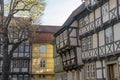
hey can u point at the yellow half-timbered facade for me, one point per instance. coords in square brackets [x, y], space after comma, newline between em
[96, 41]
[42, 49]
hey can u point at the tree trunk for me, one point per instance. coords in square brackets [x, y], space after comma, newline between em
[6, 59]
[6, 65]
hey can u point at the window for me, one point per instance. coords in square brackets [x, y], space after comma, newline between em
[64, 76]
[42, 63]
[86, 20]
[42, 76]
[20, 63]
[87, 2]
[27, 48]
[21, 48]
[25, 63]
[26, 78]
[20, 78]
[87, 71]
[105, 9]
[42, 48]
[93, 2]
[87, 43]
[90, 71]
[109, 35]
[16, 63]
[83, 44]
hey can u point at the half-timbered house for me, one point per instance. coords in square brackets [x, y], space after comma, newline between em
[98, 33]
[97, 40]
[20, 59]
[60, 74]
[68, 46]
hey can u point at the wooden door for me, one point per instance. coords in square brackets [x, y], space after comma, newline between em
[112, 72]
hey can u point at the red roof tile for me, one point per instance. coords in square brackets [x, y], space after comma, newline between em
[48, 28]
[42, 38]
[44, 34]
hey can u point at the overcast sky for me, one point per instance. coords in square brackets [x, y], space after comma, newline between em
[57, 11]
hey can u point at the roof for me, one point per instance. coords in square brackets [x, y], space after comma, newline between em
[71, 18]
[48, 28]
[44, 34]
[74, 14]
[42, 38]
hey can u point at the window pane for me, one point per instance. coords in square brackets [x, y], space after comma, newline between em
[93, 2]
[109, 35]
[105, 9]
[42, 76]
[21, 48]
[86, 20]
[27, 48]
[25, 63]
[42, 48]
[16, 63]
[42, 63]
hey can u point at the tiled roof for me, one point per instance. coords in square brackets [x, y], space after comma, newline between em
[44, 34]
[48, 28]
[42, 38]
